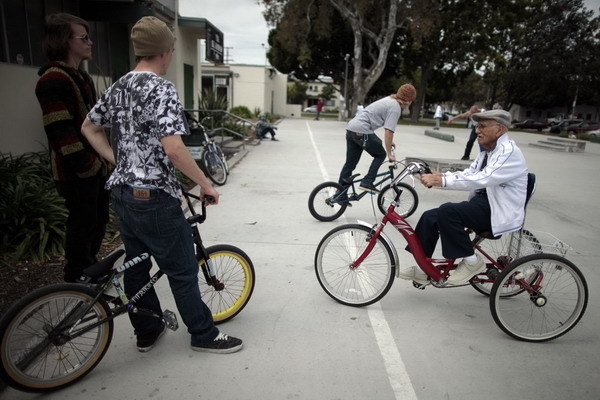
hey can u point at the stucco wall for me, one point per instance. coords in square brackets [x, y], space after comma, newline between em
[21, 128]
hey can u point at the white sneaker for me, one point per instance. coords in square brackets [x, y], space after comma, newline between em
[465, 271]
[414, 273]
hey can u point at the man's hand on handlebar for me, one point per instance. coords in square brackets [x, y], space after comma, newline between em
[209, 196]
[391, 154]
[432, 179]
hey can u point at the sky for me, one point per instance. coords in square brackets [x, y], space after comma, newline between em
[241, 22]
[244, 27]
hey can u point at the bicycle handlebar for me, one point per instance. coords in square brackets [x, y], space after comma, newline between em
[197, 217]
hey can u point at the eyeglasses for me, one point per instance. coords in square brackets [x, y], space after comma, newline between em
[482, 126]
[84, 38]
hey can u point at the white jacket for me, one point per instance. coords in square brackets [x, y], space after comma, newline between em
[505, 180]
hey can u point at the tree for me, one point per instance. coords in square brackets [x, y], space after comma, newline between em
[545, 58]
[297, 93]
[300, 25]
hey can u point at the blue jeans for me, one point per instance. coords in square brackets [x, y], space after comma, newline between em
[355, 144]
[156, 225]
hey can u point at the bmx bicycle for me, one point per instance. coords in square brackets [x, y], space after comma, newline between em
[57, 334]
[534, 298]
[329, 200]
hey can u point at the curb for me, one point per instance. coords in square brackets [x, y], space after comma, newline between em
[439, 135]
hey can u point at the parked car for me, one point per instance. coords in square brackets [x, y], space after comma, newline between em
[531, 124]
[558, 128]
[313, 109]
[595, 133]
[583, 127]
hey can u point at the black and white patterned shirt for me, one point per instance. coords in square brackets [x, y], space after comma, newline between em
[140, 109]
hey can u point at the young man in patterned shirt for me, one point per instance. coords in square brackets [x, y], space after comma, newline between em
[146, 120]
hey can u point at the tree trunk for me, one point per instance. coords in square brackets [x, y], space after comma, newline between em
[363, 79]
[420, 100]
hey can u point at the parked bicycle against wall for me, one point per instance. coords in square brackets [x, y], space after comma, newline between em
[56, 335]
[211, 158]
[535, 298]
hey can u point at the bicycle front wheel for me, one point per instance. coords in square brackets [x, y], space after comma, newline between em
[323, 202]
[505, 250]
[409, 199]
[552, 301]
[354, 286]
[47, 341]
[234, 269]
[214, 167]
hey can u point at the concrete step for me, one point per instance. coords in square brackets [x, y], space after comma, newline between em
[555, 147]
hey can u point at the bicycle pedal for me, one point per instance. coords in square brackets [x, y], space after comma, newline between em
[418, 285]
[170, 319]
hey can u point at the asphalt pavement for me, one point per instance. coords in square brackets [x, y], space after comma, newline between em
[300, 344]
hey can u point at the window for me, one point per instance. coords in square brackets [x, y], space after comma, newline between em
[22, 32]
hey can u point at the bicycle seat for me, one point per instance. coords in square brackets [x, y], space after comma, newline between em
[102, 267]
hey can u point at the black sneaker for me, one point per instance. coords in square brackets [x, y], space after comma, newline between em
[146, 342]
[369, 187]
[221, 344]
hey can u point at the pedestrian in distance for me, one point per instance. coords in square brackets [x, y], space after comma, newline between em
[146, 120]
[66, 94]
[360, 134]
[319, 108]
[467, 114]
[437, 116]
[497, 185]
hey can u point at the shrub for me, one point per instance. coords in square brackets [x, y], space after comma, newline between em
[32, 213]
[242, 112]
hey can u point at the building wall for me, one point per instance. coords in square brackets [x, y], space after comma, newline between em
[259, 87]
[21, 127]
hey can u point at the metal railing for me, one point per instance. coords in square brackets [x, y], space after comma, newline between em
[222, 123]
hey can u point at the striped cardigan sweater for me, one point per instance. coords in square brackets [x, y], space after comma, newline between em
[66, 95]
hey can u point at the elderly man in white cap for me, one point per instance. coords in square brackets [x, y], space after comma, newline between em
[146, 120]
[497, 185]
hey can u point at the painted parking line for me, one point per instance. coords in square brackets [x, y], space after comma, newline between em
[395, 368]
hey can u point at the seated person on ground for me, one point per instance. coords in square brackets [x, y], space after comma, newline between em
[263, 127]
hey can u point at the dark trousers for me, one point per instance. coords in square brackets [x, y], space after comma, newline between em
[449, 221]
[355, 144]
[263, 133]
[87, 203]
[157, 225]
[469, 146]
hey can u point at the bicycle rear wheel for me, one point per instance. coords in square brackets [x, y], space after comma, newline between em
[505, 250]
[323, 204]
[42, 349]
[234, 269]
[214, 166]
[409, 199]
[549, 305]
[354, 286]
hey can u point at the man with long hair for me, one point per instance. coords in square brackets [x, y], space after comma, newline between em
[66, 94]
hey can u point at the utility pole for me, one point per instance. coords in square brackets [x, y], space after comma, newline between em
[346, 110]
